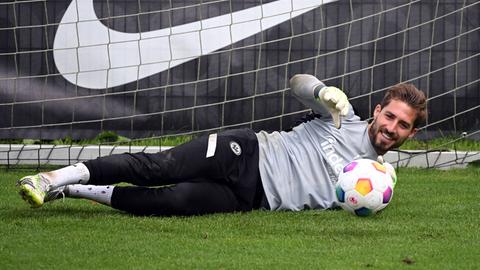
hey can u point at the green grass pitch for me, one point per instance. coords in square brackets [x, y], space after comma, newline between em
[432, 223]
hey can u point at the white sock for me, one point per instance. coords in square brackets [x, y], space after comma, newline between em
[73, 174]
[100, 194]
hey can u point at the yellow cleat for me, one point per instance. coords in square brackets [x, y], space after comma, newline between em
[33, 189]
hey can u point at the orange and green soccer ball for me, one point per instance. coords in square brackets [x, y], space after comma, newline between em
[364, 187]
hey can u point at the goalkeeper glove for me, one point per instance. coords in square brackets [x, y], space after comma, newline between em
[391, 172]
[305, 86]
[336, 103]
[390, 169]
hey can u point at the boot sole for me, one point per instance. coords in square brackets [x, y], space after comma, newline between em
[30, 196]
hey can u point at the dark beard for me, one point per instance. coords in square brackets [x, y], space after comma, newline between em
[372, 133]
[373, 130]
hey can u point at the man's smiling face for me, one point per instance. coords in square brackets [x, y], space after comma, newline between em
[391, 126]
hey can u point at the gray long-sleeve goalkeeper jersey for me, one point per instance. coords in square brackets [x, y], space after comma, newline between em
[299, 168]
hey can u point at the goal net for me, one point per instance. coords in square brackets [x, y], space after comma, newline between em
[156, 69]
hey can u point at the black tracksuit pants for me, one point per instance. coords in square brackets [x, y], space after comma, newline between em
[183, 181]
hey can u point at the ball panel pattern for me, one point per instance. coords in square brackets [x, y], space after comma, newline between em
[350, 166]
[363, 212]
[387, 195]
[340, 194]
[363, 186]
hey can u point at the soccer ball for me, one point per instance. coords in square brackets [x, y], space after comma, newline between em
[365, 187]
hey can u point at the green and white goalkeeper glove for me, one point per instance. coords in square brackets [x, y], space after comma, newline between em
[335, 101]
[390, 169]
[313, 93]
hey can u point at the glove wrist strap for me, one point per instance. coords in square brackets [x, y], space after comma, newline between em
[317, 89]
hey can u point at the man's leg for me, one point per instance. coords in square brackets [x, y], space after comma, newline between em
[187, 198]
[180, 163]
[100, 194]
[42, 187]
[238, 169]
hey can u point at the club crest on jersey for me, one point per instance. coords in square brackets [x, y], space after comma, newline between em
[236, 149]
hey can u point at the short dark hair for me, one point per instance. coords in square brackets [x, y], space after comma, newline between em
[409, 94]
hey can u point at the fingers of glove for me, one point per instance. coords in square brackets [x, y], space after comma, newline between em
[345, 109]
[391, 172]
[341, 104]
[390, 168]
[380, 159]
[336, 119]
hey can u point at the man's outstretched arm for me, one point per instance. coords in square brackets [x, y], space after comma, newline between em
[320, 98]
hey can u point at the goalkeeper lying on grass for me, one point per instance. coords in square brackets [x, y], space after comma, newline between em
[240, 170]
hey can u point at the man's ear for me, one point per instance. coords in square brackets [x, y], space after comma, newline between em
[413, 132]
[377, 111]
